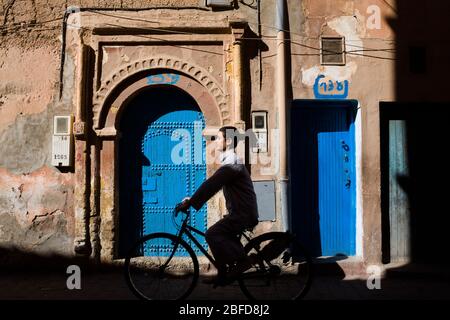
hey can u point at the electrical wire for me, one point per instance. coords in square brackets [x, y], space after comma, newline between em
[260, 37]
[347, 44]
[250, 5]
[160, 39]
[300, 35]
[38, 30]
[96, 11]
[390, 6]
[30, 24]
[153, 38]
[190, 33]
[121, 17]
[246, 38]
[324, 51]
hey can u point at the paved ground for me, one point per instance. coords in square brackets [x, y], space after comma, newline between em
[111, 285]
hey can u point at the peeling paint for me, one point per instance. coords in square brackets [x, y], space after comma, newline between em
[125, 58]
[36, 194]
[26, 87]
[229, 69]
[36, 210]
[339, 73]
[48, 234]
[105, 56]
[351, 28]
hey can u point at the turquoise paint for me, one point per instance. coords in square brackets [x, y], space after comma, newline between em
[166, 180]
[161, 161]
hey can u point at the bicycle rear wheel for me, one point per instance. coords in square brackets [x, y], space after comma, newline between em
[161, 267]
[283, 270]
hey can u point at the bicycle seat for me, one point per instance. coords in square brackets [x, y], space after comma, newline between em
[244, 231]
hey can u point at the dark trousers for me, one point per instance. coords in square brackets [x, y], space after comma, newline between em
[224, 242]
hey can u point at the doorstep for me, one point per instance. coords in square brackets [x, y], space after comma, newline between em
[343, 267]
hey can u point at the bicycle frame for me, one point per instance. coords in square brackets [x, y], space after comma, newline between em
[262, 269]
[187, 229]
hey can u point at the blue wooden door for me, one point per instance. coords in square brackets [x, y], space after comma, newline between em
[323, 176]
[174, 169]
[395, 178]
[399, 216]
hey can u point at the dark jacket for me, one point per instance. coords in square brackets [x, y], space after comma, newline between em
[238, 191]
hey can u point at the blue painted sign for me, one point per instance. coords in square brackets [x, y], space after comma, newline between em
[163, 78]
[325, 88]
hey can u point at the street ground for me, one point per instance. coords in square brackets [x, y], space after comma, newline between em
[111, 285]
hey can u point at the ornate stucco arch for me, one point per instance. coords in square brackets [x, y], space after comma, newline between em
[112, 99]
[195, 80]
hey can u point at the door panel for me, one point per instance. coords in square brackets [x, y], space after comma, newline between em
[161, 161]
[323, 180]
[398, 203]
[170, 175]
[414, 172]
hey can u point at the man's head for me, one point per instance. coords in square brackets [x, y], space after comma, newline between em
[227, 138]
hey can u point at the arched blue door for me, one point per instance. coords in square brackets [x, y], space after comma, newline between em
[175, 169]
[161, 161]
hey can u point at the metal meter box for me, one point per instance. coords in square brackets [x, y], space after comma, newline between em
[265, 197]
[259, 124]
[219, 3]
[62, 143]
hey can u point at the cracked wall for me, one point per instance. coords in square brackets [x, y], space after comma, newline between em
[36, 200]
[36, 211]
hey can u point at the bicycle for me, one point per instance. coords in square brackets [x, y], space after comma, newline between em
[164, 266]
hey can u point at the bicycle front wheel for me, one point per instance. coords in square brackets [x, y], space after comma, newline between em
[161, 266]
[283, 270]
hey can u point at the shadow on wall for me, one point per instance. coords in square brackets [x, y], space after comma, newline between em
[415, 136]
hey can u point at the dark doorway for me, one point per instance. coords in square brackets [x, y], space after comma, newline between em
[414, 181]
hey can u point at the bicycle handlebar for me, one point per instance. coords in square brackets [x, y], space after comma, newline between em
[177, 210]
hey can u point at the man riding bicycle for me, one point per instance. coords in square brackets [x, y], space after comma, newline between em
[234, 178]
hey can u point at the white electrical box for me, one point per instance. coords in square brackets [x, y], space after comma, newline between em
[259, 123]
[62, 144]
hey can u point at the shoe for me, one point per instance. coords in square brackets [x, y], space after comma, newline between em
[240, 267]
